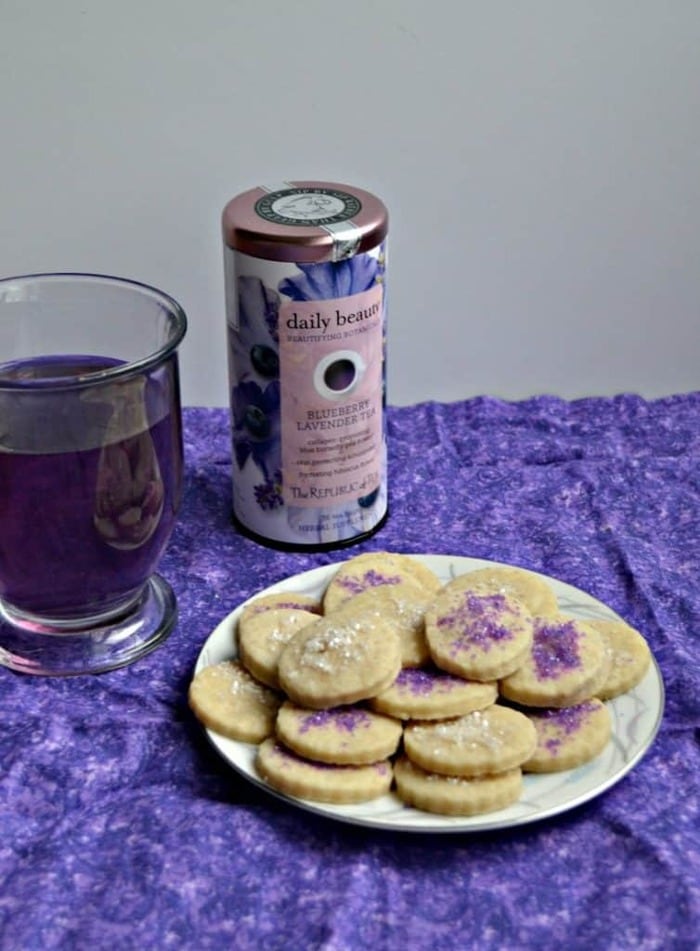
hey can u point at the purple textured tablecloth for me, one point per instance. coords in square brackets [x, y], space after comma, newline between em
[120, 827]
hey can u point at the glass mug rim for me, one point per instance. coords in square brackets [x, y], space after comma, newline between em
[120, 370]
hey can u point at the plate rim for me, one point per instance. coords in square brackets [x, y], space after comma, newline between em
[433, 823]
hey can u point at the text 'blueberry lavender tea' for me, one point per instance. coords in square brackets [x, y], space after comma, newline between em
[305, 266]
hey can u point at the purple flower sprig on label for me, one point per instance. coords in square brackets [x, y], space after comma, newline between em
[268, 494]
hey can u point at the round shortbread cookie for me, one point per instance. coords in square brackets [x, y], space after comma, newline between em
[350, 735]
[404, 607]
[432, 694]
[563, 667]
[262, 638]
[285, 600]
[321, 782]
[525, 586]
[597, 685]
[478, 635]
[225, 698]
[629, 654]
[420, 572]
[568, 736]
[455, 795]
[486, 741]
[340, 659]
[373, 570]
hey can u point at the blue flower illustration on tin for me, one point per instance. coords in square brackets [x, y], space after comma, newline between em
[330, 280]
[256, 426]
[254, 346]
[255, 398]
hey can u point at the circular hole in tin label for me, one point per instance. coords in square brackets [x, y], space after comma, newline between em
[338, 374]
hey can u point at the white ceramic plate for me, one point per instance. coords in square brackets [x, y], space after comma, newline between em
[636, 717]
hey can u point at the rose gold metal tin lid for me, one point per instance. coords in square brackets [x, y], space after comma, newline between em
[304, 222]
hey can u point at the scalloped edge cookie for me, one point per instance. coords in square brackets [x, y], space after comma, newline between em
[227, 699]
[568, 736]
[480, 743]
[524, 585]
[476, 634]
[349, 735]
[455, 795]
[432, 694]
[321, 782]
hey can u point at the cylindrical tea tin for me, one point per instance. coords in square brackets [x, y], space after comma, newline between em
[305, 272]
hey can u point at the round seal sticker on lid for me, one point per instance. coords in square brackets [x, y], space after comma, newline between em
[306, 315]
[308, 206]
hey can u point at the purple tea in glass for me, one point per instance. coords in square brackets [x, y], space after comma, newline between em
[90, 470]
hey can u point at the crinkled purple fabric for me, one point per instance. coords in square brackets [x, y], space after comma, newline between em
[121, 828]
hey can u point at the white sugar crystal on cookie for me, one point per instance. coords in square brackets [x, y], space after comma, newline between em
[404, 607]
[483, 742]
[262, 638]
[227, 699]
[340, 659]
[525, 586]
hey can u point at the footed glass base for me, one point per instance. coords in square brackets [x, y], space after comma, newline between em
[116, 642]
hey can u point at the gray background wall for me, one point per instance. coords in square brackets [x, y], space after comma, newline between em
[540, 161]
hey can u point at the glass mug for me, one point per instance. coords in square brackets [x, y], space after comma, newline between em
[91, 466]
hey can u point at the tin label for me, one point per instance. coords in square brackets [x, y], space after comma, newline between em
[314, 207]
[331, 393]
[306, 364]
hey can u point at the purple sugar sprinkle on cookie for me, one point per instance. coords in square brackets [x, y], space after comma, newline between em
[344, 719]
[555, 649]
[569, 719]
[370, 579]
[479, 621]
[423, 682]
[552, 745]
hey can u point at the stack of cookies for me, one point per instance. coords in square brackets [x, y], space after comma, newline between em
[445, 693]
